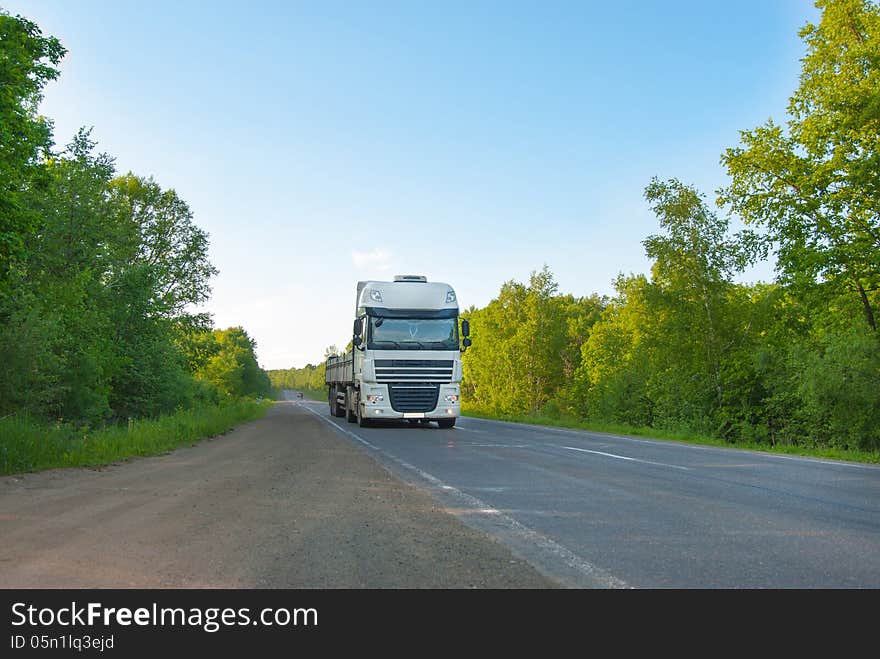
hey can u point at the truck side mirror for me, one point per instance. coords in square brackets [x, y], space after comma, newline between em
[466, 342]
[356, 330]
[356, 342]
[465, 328]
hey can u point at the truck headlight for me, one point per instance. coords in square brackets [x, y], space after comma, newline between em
[452, 398]
[375, 398]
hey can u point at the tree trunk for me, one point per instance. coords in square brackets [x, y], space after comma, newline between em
[866, 303]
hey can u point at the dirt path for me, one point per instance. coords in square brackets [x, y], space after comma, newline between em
[282, 502]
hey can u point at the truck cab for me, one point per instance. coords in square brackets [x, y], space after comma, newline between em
[405, 361]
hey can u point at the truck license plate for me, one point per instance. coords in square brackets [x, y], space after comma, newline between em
[413, 415]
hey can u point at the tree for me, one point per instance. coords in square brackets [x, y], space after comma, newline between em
[232, 365]
[616, 358]
[816, 185]
[581, 315]
[60, 283]
[491, 380]
[517, 361]
[668, 351]
[27, 63]
[155, 232]
[693, 263]
[97, 274]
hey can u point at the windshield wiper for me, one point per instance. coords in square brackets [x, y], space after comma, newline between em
[418, 343]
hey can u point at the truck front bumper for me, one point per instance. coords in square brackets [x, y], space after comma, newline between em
[376, 403]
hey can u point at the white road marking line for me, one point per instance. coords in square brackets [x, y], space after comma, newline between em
[497, 445]
[521, 535]
[653, 442]
[672, 443]
[624, 457]
[342, 430]
[802, 458]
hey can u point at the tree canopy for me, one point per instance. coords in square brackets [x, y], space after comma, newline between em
[100, 273]
[688, 348]
[814, 183]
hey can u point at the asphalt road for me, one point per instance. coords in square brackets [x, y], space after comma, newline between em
[598, 510]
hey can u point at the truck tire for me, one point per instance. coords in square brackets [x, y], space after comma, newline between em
[363, 421]
[335, 408]
[350, 415]
[331, 399]
[446, 423]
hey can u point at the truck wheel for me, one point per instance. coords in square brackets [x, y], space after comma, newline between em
[331, 398]
[350, 416]
[446, 423]
[363, 422]
[335, 408]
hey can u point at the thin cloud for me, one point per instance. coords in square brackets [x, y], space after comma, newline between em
[376, 259]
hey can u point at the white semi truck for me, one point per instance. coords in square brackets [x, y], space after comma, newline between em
[405, 359]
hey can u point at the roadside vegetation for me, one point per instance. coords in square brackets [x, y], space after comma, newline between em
[34, 444]
[686, 350]
[558, 420]
[102, 356]
[308, 379]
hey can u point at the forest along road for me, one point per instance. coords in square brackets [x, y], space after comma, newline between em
[284, 501]
[599, 510]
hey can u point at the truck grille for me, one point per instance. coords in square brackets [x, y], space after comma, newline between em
[410, 398]
[413, 370]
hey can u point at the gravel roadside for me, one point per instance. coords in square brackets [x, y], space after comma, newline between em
[281, 502]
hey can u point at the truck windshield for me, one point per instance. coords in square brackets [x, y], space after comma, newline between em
[413, 334]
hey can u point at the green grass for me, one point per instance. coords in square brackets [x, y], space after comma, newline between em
[27, 444]
[674, 435]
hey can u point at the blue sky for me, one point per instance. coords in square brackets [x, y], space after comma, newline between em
[322, 143]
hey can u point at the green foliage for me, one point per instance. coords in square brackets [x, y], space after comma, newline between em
[30, 444]
[524, 348]
[795, 363]
[816, 184]
[686, 351]
[100, 300]
[660, 354]
[99, 273]
[309, 378]
[230, 364]
[27, 63]
[155, 236]
[838, 390]
[611, 380]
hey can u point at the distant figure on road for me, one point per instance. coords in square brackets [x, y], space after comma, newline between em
[299, 395]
